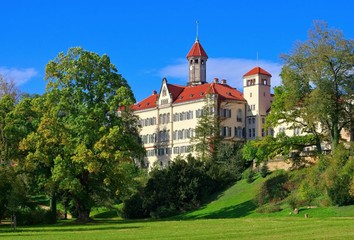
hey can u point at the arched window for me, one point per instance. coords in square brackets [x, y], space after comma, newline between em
[180, 134]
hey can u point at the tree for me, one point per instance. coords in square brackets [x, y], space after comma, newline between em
[8, 87]
[81, 138]
[317, 83]
[207, 132]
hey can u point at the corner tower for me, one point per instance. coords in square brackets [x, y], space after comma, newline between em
[197, 59]
[256, 90]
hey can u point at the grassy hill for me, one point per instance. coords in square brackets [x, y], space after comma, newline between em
[237, 201]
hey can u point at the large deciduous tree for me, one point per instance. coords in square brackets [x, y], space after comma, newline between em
[81, 138]
[317, 84]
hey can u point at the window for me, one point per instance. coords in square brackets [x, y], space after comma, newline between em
[250, 94]
[263, 120]
[239, 132]
[249, 133]
[249, 120]
[253, 120]
[264, 81]
[263, 132]
[253, 132]
[180, 134]
[239, 115]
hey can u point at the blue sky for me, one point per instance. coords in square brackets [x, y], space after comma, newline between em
[149, 40]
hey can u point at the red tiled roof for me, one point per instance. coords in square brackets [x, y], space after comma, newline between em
[190, 93]
[149, 102]
[175, 90]
[197, 51]
[257, 70]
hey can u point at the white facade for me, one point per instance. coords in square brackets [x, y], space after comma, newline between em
[169, 117]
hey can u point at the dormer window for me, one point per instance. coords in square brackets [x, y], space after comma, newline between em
[201, 94]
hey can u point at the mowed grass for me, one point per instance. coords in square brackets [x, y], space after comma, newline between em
[229, 215]
[237, 228]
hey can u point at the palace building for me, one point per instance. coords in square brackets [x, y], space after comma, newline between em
[169, 117]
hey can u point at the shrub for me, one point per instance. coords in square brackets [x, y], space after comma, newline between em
[28, 216]
[273, 190]
[340, 191]
[269, 208]
[264, 170]
[133, 207]
[249, 174]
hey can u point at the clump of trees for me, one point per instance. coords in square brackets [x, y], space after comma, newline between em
[70, 143]
[184, 185]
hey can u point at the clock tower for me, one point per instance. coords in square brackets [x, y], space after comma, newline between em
[197, 59]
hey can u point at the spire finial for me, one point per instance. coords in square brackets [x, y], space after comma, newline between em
[197, 37]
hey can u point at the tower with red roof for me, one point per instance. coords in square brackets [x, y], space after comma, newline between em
[257, 86]
[197, 59]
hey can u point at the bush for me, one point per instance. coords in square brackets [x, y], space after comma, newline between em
[264, 170]
[249, 174]
[269, 208]
[133, 207]
[273, 189]
[28, 216]
[340, 191]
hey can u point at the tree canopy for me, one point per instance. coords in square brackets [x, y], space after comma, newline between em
[81, 141]
[317, 85]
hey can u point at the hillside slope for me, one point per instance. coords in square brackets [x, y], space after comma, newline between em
[236, 201]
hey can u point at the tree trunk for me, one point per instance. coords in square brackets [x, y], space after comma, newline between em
[53, 207]
[83, 212]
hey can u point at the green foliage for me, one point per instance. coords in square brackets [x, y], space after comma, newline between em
[207, 131]
[273, 189]
[264, 170]
[261, 150]
[81, 146]
[181, 187]
[316, 80]
[249, 174]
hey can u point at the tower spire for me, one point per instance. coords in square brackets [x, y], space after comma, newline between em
[197, 34]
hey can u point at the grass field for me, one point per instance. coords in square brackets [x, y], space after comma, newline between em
[241, 228]
[230, 215]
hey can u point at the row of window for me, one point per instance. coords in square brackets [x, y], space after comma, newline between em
[148, 121]
[182, 116]
[158, 152]
[164, 136]
[252, 120]
[252, 82]
[165, 117]
[183, 134]
[161, 136]
[227, 132]
[167, 151]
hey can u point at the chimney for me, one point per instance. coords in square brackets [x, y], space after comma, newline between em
[216, 80]
[223, 81]
[154, 92]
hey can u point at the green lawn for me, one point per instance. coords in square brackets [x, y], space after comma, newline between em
[230, 215]
[232, 228]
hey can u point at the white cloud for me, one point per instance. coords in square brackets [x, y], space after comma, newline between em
[231, 69]
[18, 75]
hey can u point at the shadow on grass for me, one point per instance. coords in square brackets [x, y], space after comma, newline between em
[39, 229]
[236, 211]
